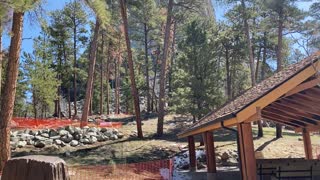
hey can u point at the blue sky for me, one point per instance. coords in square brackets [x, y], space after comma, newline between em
[32, 29]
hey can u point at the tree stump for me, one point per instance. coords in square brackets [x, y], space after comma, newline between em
[35, 168]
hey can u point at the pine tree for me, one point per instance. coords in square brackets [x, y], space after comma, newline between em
[8, 95]
[134, 91]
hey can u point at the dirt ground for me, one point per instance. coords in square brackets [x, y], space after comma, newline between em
[132, 150]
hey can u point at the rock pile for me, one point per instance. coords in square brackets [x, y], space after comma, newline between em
[226, 158]
[67, 136]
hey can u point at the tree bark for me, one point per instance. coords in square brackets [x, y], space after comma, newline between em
[249, 44]
[264, 56]
[116, 92]
[134, 90]
[1, 57]
[101, 75]
[163, 70]
[75, 66]
[107, 80]
[172, 60]
[229, 93]
[279, 60]
[147, 66]
[9, 89]
[88, 97]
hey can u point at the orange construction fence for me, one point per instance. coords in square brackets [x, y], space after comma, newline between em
[159, 169]
[32, 123]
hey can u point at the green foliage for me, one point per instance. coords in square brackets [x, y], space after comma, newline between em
[42, 78]
[197, 76]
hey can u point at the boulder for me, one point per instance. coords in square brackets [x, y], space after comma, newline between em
[77, 136]
[93, 140]
[115, 131]
[35, 168]
[92, 133]
[39, 144]
[53, 133]
[85, 141]
[74, 143]
[113, 137]
[30, 142]
[103, 130]
[70, 129]
[46, 135]
[66, 138]
[120, 135]
[63, 132]
[93, 129]
[25, 137]
[57, 141]
[33, 133]
[39, 138]
[55, 137]
[21, 144]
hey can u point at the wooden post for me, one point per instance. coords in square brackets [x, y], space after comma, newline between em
[248, 160]
[307, 143]
[192, 154]
[210, 154]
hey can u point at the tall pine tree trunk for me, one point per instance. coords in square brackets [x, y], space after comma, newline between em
[147, 66]
[249, 44]
[163, 70]
[229, 92]
[107, 81]
[264, 56]
[1, 57]
[101, 75]
[75, 66]
[134, 90]
[116, 92]
[279, 60]
[9, 89]
[92, 63]
[172, 60]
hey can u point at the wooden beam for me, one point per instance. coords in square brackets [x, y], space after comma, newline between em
[256, 116]
[247, 157]
[211, 127]
[299, 106]
[287, 123]
[306, 96]
[288, 116]
[309, 128]
[307, 144]
[306, 102]
[210, 153]
[192, 154]
[303, 86]
[294, 110]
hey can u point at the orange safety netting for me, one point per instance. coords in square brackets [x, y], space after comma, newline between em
[32, 123]
[160, 169]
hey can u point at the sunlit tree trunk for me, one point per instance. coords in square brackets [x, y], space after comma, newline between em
[134, 90]
[163, 70]
[92, 63]
[9, 89]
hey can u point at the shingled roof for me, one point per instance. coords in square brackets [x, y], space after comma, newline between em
[231, 108]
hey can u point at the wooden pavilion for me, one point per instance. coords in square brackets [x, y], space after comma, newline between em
[290, 97]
